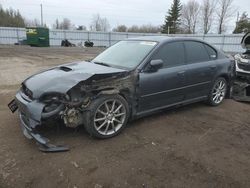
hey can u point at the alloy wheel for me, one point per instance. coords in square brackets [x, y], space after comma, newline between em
[110, 117]
[219, 91]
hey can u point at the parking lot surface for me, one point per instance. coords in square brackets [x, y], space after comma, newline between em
[191, 146]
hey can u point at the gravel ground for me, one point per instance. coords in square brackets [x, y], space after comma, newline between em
[191, 146]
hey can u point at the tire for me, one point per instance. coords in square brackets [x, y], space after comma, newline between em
[218, 92]
[107, 116]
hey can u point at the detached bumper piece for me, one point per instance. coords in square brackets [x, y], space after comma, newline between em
[44, 144]
[241, 91]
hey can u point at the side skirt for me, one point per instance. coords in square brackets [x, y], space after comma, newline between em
[182, 103]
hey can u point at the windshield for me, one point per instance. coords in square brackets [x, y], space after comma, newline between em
[127, 54]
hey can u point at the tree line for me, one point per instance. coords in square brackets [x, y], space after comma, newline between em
[204, 16]
[11, 18]
[199, 16]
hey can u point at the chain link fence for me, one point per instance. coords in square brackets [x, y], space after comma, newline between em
[10, 35]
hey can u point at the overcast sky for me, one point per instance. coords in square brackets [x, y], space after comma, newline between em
[127, 12]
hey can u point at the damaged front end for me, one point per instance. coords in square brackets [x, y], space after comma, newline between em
[32, 113]
[241, 87]
[66, 97]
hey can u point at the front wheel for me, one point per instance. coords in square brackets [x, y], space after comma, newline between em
[218, 92]
[107, 117]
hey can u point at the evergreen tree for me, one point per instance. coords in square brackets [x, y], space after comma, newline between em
[172, 19]
[11, 18]
[243, 25]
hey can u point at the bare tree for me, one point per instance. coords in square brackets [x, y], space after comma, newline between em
[56, 25]
[189, 16]
[225, 12]
[144, 29]
[207, 14]
[120, 28]
[99, 24]
[65, 24]
[32, 23]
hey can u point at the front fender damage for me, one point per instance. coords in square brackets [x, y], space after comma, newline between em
[74, 109]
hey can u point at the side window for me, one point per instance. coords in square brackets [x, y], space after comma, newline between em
[196, 52]
[172, 54]
[211, 52]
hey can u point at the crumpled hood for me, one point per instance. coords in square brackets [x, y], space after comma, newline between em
[62, 78]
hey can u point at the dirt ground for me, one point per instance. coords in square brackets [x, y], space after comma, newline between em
[192, 146]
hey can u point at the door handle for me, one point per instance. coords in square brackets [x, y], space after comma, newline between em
[181, 73]
[212, 67]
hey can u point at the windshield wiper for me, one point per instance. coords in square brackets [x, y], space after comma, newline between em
[101, 63]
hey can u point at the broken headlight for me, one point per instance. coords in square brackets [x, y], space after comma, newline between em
[52, 101]
[53, 97]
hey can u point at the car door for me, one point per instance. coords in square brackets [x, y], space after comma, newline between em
[201, 67]
[165, 86]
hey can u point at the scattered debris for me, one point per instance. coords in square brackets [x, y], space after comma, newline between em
[75, 164]
[88, 43]
[98, 186]
[66, 43]
[154, 144]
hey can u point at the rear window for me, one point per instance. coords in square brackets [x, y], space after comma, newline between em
[211, 52]
[196, 52]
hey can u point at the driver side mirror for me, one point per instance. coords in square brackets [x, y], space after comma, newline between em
[154, 65]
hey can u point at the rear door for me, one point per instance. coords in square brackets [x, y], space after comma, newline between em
[164, 86]
[201, 68]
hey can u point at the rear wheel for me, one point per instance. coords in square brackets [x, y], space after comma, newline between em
[218, 92]
[107, 117]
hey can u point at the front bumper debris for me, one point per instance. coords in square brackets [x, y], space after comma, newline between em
[30, 113]
[30, 133]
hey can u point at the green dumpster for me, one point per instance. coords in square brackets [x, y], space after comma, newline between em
[37, 36]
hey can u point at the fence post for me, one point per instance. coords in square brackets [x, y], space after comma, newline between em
[88, 35]
[64, 34]
[17, 35]
[223, 42]
[109, 38]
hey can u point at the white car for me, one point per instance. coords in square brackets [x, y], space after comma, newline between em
[242, 61]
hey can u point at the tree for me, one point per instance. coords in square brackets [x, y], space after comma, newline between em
[65, 24]
[243, 25]
[120, 28]
[172, 20]
[57, 24]
[32, 23]
[189, 16]
[207, 14]
[224, 13]
[11, 18]
[144, 29]
[99, 24]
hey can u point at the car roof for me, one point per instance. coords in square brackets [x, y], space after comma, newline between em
[162, 39]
